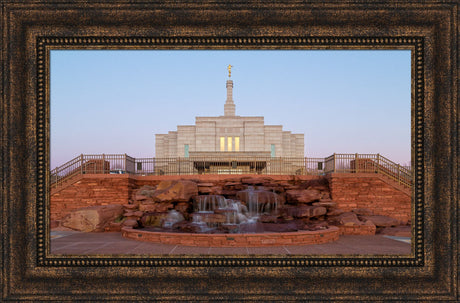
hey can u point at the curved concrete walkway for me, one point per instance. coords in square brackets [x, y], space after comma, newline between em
[112, 243]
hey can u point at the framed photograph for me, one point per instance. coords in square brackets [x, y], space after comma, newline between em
[241, 185]
[313, 122]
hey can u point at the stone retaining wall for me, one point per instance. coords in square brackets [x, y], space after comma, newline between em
[372, 191]
[349, 191]
[235, 240]
[91, 190]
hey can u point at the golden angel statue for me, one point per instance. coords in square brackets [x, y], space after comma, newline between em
[229, 70]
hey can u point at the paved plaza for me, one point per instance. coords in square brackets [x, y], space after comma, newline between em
[112, 243]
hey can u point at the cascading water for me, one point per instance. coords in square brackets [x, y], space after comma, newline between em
[253, 202]
[202, 226]
[205, 206]
[272, 207]
[172, 218]
[209, 203]
[259, 201]
[214, 211]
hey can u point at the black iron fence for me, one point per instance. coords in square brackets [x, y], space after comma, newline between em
[229, 164]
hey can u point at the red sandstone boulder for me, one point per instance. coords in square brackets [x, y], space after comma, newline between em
[188, 227]
[228, 193]
[164, 184]
[294, 211]
[327, 204]
[138, 213]
[140, 197]
[211, 190]
[233, 179]
[285, 184]
[144, 191]
[270, 184]
[182, 207]
[303, 195]
[130, 206]
[290, 187]
[275, 188]
[317, 211]
[255, 180]
[369, 223]
[268, 219]
[236, 186]
[305, 211]
[207, 188]
[159, 199]
[346, 219]
[153, 219]
[381, 221]
[325, 196]
[130, 223]
[209, 184]
[319, 225]
[137, 199]
[320, 184]
[209, 217]
[132, 215]
[363, 211]
[148, 207]
[334, 212]
[286, 217]
[94, 218]
[155, 207]
[175, 191]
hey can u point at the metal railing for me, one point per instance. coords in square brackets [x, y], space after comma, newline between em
[369, 163]
[229, 164]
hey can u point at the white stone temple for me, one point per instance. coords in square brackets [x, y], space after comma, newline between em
[229, 135]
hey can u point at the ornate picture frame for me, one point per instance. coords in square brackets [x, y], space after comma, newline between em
[32, 28]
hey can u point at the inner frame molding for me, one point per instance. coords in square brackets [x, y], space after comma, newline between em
[46, 44]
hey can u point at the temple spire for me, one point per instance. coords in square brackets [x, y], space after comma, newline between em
[229, 107]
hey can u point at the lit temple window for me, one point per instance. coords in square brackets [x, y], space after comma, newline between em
[222, 143]
[229, 143]
[272, 150]
[237, 143]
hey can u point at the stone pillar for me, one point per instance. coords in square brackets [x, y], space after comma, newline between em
[229, 107]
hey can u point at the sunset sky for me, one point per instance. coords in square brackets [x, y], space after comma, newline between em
[114, 102]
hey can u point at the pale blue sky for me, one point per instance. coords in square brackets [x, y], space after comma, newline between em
[344, 101]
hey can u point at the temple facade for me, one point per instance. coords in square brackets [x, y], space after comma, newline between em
[229, 135]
